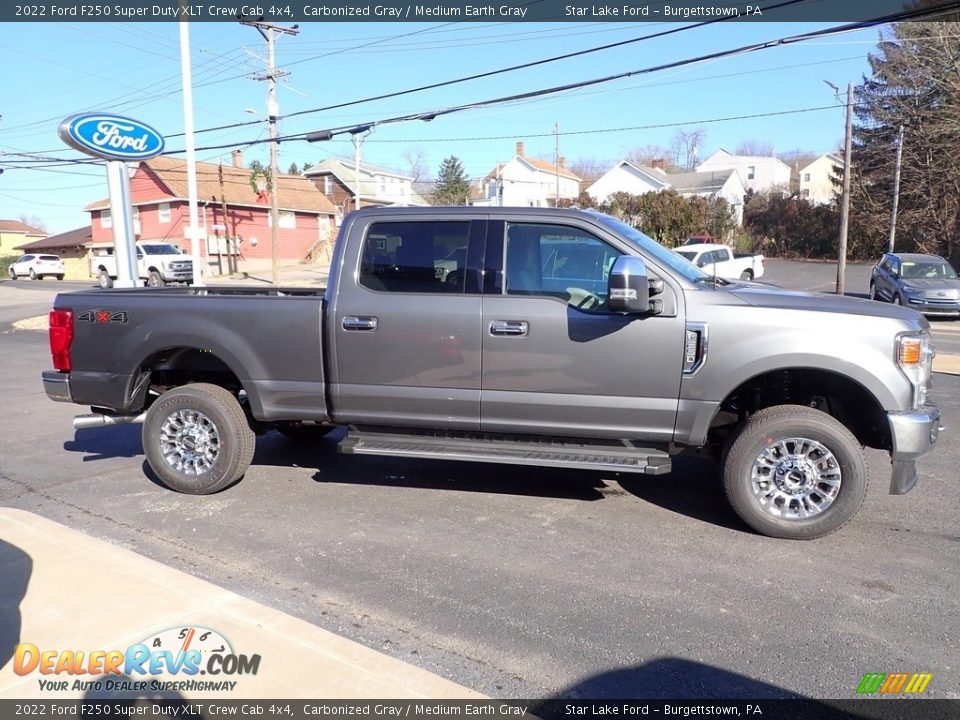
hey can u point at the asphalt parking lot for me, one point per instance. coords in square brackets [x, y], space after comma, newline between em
[524, 582]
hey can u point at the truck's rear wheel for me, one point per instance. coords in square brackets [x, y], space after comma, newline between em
[106, 282]
[794, 472]
[746, 275]
[197, 440]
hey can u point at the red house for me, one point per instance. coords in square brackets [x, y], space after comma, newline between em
[158, 190]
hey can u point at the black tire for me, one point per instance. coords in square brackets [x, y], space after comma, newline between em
[154, 279]
[33, 275]
[873, 292]
[782, 423]
[60, 276]
[13, 274]
[104, 279]
[746, 275]
[303, 432]
[222, 411]
[896, 299]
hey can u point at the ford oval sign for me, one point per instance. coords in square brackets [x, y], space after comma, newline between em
[112, 137]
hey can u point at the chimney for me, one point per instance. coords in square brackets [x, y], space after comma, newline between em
[563, 162]
[237, 156]
[520, 149]
[658, 164]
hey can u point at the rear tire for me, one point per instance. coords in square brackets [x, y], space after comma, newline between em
[746, 275]
[793, 472]
[60, 276]
[197, 440]
[106, 282]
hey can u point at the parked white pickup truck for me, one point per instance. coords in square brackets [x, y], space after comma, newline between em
[158, 263]
[721, 261]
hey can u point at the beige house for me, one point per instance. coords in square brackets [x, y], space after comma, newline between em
[14, 233]
[816, 179]
[759, 174]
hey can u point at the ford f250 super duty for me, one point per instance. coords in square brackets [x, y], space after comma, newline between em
[542, 337]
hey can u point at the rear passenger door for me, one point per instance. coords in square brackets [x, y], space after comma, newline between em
[406, 339]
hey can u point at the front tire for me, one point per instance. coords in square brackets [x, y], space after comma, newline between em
[154, 279]
[33, 275]
[873, 292]
[896, 300]
[197, 439]
[13, 274]
[796, 473]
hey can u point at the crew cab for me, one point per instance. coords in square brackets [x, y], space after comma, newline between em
[558, 338]
[158, 263]
[721, 261]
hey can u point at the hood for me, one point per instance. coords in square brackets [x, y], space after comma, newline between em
[773, 297]
[931, 284]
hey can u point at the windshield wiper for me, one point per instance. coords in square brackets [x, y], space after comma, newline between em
[714, 280]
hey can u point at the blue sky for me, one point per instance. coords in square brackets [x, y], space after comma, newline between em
[56, 69]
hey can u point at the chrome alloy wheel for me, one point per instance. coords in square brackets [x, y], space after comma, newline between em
[795, 478]
[189, 442]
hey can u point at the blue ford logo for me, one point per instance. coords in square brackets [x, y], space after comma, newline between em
[110, 136]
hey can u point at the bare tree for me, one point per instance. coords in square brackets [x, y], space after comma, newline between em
[34, 221]
[416, 159]
[589, 168]
[755, 148]
[797, 160]
[685, 147]
[646, 154]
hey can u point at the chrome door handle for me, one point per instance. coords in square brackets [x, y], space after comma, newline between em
[509, 327]
[352, 322]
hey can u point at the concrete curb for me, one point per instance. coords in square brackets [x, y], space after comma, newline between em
[64, 590]
[947, 363]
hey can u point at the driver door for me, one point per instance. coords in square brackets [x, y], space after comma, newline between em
[554, 359]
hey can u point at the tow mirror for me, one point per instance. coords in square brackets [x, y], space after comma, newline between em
[628, 286]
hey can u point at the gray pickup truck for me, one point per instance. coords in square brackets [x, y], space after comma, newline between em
[545, 337]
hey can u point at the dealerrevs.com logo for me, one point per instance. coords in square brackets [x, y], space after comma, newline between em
[894, 683]
[185, 652]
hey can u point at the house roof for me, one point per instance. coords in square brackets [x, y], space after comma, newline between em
[537, 164]
[699, 182]
[71, 238]
[15, 226]
[295, 192]
[344, 170]
[837, 160]
[719, 154]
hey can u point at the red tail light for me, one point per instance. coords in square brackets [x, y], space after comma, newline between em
[61, 337]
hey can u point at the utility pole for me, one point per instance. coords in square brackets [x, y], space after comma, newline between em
[896, 191]
[198, 270]
[845, 206]
[556, 161]
[231, 260]
[267, 30]
[356, 168]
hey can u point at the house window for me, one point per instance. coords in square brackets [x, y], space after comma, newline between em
[806, 192]
[288, 219]
[327, 184]
[751, 172]
[806, 177]
[105, 220]
[163, 212]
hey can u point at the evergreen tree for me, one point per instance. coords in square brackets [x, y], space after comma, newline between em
[293, 169]
[453, 187]
[914, 81]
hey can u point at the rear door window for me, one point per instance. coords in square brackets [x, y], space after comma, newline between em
[415, 257]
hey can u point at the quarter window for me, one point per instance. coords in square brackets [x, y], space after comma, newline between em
[415, 257]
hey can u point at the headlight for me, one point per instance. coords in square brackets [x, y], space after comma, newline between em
[915, 355]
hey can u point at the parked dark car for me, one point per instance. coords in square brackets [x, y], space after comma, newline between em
[927, 283]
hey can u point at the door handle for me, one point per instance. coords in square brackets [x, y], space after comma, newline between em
[352, 322]
[509, 327]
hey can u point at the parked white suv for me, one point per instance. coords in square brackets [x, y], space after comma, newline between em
[37, 267]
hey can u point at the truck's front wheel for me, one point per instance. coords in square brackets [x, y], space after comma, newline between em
[794, 472]
[197, 440]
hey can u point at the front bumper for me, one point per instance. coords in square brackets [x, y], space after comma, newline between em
[913, 434]
[943, 308]
[178, 276]
[57, 386]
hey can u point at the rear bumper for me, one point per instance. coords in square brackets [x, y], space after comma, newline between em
[913, 435]
[57, 386]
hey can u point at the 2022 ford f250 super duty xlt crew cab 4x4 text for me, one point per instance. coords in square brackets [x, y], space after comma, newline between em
[529, 336]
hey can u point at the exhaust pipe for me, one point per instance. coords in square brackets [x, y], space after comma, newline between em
[82, 422]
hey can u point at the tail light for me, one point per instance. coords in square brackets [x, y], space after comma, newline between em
[61, 337]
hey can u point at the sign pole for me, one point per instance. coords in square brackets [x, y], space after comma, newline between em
[124, 250]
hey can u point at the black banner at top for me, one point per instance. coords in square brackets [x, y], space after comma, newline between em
[304, 11]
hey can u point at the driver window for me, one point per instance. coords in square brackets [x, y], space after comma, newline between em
[558, 261]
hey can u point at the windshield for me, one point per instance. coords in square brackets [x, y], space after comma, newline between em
[651, 247]
[929, 270]
[163, 249]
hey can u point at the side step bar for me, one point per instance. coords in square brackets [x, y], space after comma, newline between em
[552, 452]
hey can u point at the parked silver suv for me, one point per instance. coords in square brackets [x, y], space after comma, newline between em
[926, 283]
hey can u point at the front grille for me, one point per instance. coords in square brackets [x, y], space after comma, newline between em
[940, 295]
[181, 265]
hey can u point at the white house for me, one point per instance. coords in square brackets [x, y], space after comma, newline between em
[338, 181]
[759, 173]
[816, 179]
[528, 182]
[638, 179]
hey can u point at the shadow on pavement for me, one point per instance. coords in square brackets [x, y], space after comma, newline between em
[16, 567]
[108, 442]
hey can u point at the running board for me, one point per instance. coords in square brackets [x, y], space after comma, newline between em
[555, 452]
